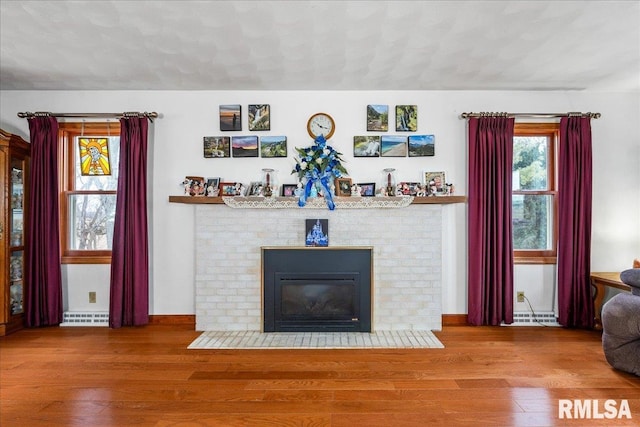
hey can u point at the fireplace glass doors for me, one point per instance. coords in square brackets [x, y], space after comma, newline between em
[313, 301]
[336, 297]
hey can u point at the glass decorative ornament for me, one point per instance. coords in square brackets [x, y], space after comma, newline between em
[388, 186]
[269, 182]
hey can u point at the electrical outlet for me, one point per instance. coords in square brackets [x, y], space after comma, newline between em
[520, 296]
[92, 297]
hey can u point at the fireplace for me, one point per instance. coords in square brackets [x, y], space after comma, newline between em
[406, 273]
[317, 289]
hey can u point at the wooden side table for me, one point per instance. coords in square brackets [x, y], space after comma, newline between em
[600, 281]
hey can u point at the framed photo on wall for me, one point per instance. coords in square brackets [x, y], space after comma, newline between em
[230, 117]
[393, 146]
[377, 118]
[273, 146]
[366, 146]
[259, 117]
[217, 147]
[316, 232]
[421, 145]
[244, 146]
[406, 118]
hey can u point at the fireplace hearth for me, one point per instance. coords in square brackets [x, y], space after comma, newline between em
[317, 289]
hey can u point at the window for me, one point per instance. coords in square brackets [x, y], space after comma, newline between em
[89, 155]
[534, 205]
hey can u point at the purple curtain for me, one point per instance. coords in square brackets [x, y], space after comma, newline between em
[575, 307]
[129, 302]
[490, 284]
[43, 293]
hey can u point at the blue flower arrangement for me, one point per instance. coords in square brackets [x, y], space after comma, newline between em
[318, 165]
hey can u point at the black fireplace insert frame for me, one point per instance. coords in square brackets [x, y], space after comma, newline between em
[343, 266]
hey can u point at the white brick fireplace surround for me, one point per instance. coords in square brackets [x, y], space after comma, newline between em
[407, 257]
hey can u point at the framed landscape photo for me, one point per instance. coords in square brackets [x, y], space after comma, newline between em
[230, 117]
[393, 146]
[435, 179]
[217, 147]
[273, 146]
[421, 145]
[366, 146]
[377, 118]
[244, 146]
[343, 187]
[368, 189]
[259, 117]
[406, 118]
[288, 190]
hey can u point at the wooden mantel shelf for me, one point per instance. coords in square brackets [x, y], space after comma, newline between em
[203, 200]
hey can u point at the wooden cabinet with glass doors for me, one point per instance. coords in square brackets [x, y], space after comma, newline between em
[14, 174]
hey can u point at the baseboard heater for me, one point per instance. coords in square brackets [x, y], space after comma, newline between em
[84, 318]
[525, 318]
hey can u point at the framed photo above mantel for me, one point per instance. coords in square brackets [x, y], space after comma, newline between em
[422, 145]
[393, 146]
[230, 117]
[273, 146]
[244, 146]
[259, 117]
[377, 118]
[406, 118]
[217, 147]
[366, 146]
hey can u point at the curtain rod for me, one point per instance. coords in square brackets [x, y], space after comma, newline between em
[150, 116]
[532, 115]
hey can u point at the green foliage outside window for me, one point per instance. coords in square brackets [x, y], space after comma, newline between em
[532, 213]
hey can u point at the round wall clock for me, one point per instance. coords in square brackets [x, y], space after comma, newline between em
[321, 124]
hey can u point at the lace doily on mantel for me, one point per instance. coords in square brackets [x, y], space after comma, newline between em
[316, 203]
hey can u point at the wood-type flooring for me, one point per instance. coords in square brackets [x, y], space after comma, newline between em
[146, 376]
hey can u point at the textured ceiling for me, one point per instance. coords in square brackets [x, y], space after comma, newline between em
[320, 45]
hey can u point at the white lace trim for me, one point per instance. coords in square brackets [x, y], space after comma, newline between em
[318, 202]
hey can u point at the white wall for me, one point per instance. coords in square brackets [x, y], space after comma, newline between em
[188, 116]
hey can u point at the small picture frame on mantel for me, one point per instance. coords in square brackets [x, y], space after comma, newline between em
[343, 187]
[288, 190]
[435, 182]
